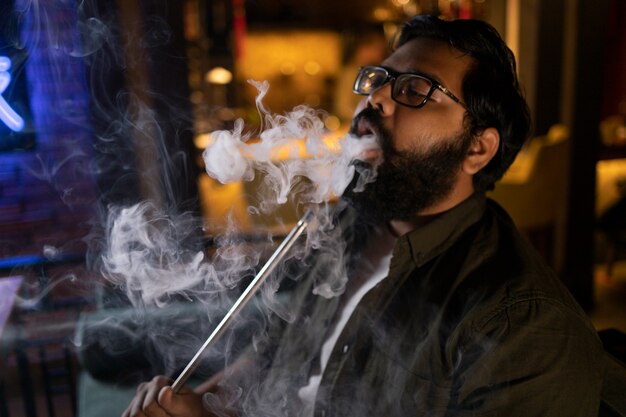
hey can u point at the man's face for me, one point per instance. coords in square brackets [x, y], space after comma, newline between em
[422, 148]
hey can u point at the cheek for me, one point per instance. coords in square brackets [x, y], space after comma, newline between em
[420, 133]
[412, 135]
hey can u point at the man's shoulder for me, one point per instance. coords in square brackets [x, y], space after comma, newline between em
[502, 272]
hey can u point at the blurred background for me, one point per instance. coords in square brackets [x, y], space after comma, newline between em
[108, 103]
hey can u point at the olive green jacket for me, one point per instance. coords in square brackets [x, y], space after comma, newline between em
[468, 322]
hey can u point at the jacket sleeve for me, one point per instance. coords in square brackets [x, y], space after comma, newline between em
[532, 357]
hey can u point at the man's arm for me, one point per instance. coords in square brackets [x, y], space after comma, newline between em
[535, 357]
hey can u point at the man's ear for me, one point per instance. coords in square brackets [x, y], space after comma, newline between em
[481, 151]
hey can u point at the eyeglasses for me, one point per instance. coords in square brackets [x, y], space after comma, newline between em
[408, 89]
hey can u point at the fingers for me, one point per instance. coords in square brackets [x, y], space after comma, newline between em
[184, 403]
[145, 403]
[156, 399]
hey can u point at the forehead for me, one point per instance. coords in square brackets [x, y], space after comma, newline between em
[433, 58]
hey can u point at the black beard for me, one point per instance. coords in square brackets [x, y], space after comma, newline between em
[407, 182]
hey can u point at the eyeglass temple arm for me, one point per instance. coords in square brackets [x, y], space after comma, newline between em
[449, 94]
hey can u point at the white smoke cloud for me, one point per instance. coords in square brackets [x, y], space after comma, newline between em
[148, 256]
[145, 255]
[154, 256]
[232, 157]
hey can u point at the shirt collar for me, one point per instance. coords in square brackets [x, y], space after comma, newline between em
[440, 233]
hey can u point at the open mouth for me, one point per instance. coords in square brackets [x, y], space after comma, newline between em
[369, 141]
[365, 128]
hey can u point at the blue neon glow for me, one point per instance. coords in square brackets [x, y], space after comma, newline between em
[7, 114]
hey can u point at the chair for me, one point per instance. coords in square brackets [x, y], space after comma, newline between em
[533, 190]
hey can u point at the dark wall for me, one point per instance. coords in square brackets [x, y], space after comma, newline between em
[590, 44]
[549, 66]
[615, 61]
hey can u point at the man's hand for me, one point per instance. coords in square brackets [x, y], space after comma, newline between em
[156, 399]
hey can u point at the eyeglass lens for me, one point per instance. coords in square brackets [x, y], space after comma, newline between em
[370, 79]
[411, 90]
[408, 89]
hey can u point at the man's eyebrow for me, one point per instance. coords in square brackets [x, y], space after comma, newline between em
[428, 75]
[417, 72]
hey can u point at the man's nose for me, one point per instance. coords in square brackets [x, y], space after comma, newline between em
[381, 100]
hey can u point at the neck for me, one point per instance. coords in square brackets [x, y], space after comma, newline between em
[462, 190]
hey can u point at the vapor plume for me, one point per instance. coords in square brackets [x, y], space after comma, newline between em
[147, 246]
[233, 156]
[144, 255]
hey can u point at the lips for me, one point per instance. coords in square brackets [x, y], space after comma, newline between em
[368, 142]
[373, 156]
[365, 128]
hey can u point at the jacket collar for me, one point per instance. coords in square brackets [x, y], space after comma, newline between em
[436, 236]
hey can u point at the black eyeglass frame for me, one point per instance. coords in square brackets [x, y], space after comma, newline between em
[392, 76]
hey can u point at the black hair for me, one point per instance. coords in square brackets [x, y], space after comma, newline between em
[490, 87]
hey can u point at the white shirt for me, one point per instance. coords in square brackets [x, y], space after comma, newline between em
[374, 268]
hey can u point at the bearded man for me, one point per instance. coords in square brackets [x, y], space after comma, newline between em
[448, 311]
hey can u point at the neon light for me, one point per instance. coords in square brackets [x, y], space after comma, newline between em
[7, 114]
